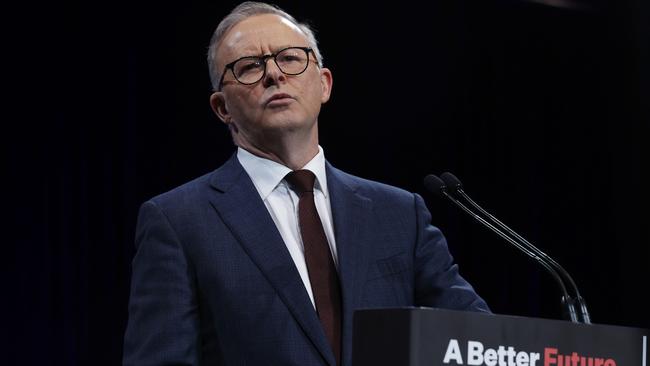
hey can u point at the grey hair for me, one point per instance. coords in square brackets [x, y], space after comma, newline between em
[245, 10]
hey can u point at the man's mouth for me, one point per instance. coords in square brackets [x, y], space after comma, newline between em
[279, 99]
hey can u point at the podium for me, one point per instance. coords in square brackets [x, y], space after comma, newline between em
[431, 337]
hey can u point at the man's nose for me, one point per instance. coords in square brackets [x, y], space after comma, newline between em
[273, 74]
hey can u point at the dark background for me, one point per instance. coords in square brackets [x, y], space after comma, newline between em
[542, 111]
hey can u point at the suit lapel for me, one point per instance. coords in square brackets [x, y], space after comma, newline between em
[351, 215]
[241, 209]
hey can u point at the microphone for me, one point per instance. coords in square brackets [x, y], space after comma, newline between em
[457, 188]
[453, 185]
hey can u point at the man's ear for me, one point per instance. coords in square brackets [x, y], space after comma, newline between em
[218, 104]
[326, 84]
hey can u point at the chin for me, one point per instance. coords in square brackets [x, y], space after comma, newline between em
[285, 120]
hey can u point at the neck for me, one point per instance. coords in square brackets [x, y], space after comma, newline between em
[292, 150]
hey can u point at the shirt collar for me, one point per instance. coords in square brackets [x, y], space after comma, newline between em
[267, 174]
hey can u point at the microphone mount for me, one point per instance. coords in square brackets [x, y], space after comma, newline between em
[451, 188]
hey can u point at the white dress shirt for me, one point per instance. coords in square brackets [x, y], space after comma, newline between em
[282, 204]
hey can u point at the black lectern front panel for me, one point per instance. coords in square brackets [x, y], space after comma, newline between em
[425, 336]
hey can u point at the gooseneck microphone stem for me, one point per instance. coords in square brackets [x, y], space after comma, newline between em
[566, 300]
[456, 187]
[584, 314]
[451, 183]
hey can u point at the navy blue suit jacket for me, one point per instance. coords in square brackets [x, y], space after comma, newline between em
[213, 283]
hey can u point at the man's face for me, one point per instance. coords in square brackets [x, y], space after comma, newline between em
[278, 103]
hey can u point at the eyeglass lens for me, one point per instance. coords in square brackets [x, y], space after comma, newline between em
[291, 61]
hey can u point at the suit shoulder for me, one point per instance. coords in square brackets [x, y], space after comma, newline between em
[198, 188]
[372, 188]
[186, 193]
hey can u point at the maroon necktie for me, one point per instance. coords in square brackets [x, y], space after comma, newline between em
[320, 265]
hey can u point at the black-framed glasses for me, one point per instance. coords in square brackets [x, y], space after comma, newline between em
[251, 69]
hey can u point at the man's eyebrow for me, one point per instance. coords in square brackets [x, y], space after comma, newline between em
[285, 46]
[275, 49]
[249, 54]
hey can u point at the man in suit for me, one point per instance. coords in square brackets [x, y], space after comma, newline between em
[245, 266]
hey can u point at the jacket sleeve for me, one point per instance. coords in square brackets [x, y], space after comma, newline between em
[438, 282]
[163, 326]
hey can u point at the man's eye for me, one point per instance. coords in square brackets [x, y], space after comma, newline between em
[249, 66]
[289, 58]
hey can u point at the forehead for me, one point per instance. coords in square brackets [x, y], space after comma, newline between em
[259, 34]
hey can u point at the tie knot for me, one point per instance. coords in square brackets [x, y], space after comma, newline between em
[301, 180]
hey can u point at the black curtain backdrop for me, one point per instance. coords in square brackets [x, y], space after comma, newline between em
[541, 110]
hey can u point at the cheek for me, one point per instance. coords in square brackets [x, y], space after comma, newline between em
[243, 106]
[314, 94]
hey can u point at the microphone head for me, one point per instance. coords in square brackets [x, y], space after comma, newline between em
[435, 185]
[452, 182]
